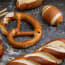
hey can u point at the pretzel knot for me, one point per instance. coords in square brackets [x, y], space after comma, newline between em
[16, 31]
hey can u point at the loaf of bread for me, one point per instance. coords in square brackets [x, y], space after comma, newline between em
[52, 53]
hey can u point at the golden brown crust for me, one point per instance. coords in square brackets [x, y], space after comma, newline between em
[60, 39]
[39, 59]
[36, 59]
[51, 51]
[1, 50]
[59, 20]
[16, 63]
[3, 24]
[31, 5]
[52, 15]
[37, 33]
[57, 54]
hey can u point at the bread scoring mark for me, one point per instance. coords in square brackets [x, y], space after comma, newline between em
[45, 8]
[26, 62]
[40, 49]
[25, 1]
[42, 55]
[57, 45]
[10, 14]
[55, 18]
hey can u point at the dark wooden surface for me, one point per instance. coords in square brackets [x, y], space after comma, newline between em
[49, 32]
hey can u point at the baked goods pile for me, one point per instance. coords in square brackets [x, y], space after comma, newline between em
[52, 53]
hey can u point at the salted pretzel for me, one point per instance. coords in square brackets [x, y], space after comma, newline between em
[28, 4]
[1, 49]
[42, 57]
[16, 32]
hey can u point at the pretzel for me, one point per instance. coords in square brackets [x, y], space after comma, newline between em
[16, 32]
[51, 15]
[41, 57]
[5, 21]
[1, 49]
[28, 4]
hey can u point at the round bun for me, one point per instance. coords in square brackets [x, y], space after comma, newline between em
[52, 15]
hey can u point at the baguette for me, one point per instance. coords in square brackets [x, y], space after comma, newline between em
[43, 57]
[55, 47]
